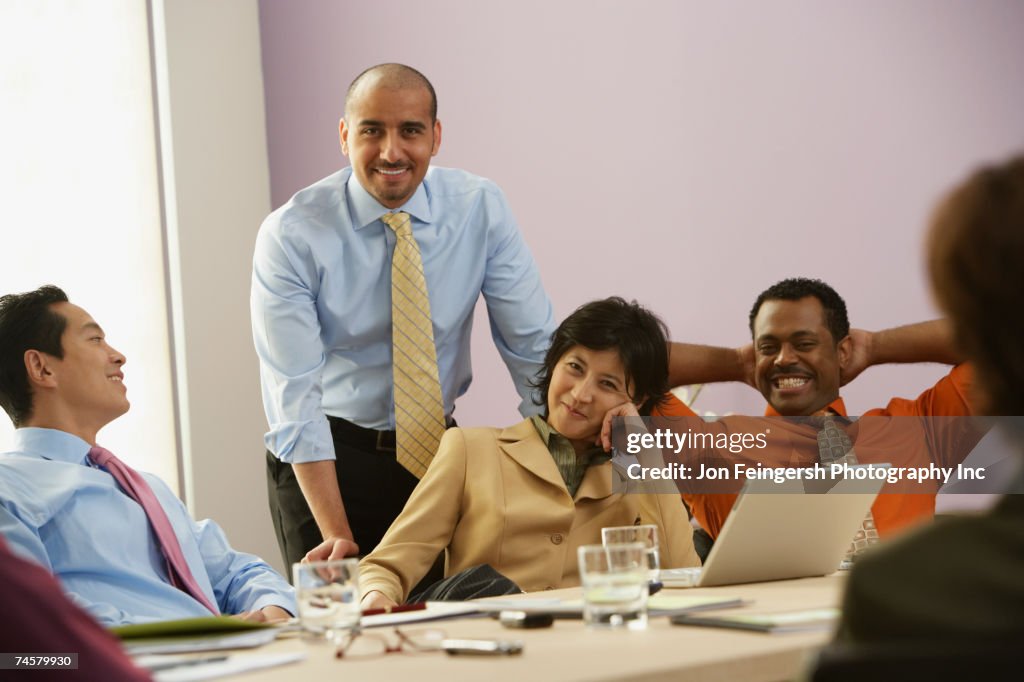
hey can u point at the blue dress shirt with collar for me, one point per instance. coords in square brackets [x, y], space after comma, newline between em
[73, 519]
[321, 302]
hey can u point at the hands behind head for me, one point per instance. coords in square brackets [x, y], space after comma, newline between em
[859, 358]
[748, 360]
[604, 438]
[331, 549]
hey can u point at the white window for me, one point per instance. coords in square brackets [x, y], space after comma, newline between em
[79, 194]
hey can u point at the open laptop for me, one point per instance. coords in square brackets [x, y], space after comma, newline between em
[777, 531]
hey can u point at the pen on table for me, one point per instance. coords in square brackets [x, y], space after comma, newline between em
[401, 608]
[181, 663]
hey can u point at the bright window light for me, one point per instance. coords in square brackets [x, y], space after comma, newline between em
[80, 198]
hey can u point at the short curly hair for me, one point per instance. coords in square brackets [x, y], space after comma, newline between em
[796, 288]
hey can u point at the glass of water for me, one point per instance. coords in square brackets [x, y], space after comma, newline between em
[328, 596]
[615, 586]
[646, 535]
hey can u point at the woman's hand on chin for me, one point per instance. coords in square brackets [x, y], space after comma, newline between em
[626, 409]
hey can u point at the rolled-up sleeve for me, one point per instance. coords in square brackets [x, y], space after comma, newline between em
[286, 332]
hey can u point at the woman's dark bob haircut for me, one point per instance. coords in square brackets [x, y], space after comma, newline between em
[638, 335]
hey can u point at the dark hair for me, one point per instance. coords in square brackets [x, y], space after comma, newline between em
[27, 322]
[635, 332]
[975, 251]
[796, 288]
[395, 75]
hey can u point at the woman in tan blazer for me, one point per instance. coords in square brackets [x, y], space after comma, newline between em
[523, 499]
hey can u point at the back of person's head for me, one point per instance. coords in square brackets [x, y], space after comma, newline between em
[638, 335]
[976, 263]
[797, 288]
[27, 322]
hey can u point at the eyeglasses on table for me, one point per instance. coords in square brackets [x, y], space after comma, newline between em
[358, 643]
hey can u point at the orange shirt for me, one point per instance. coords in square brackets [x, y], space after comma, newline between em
[881, 442]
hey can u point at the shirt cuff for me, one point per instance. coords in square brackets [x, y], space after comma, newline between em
[289, 605]
[301, 442]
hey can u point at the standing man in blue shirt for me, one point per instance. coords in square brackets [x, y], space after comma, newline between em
[322, 313]
[63, 506]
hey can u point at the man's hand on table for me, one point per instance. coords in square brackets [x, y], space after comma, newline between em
[331, 549]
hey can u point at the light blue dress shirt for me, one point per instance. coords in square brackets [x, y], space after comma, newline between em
[74, 520]
[321, 302]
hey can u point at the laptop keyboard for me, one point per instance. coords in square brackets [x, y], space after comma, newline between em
[680, 577]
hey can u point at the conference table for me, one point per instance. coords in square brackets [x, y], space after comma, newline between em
[570, 651]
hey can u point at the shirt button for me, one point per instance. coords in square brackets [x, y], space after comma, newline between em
[556, 538]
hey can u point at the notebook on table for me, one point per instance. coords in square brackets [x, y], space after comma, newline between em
[808, 620]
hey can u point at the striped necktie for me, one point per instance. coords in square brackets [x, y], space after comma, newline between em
[135, 486]
[835, 446]
[419, 410]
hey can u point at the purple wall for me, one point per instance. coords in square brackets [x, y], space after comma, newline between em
[686, 154]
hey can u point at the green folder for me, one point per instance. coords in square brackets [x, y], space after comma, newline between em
[185, 627]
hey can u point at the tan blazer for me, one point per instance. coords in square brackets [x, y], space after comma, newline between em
[494, 496]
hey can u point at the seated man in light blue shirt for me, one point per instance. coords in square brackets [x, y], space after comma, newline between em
[61, 382]
[322, 314]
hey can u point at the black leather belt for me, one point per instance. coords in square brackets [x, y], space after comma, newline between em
[360, 437]
[366, 439]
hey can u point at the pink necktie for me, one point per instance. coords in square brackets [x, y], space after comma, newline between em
[135, 486]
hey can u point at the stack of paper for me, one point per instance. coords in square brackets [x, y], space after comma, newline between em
[212, 633]
[188, 669]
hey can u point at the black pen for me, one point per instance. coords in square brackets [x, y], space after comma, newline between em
[182, 663]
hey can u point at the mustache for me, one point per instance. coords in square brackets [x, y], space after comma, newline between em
[788, 372]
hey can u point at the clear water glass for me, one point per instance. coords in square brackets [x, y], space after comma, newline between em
[647, 535]
[328, 597]
[615, 585]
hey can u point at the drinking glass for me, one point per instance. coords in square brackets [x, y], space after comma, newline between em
[646, 535]
[328, 596]
[615, 585]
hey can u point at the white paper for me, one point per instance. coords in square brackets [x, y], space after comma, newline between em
[435, 610]
[233, 665]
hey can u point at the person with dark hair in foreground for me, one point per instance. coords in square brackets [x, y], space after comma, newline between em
[123, 546]
[524, 498]
[960, 579]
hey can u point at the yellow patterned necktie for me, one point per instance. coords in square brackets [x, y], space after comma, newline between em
[419, 410]
[835, 446]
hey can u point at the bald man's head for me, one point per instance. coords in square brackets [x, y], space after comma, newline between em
[392, 76]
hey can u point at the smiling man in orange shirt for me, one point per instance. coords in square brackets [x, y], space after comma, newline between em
[803, 350]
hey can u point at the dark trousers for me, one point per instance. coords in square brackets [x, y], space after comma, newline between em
[374, 488]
